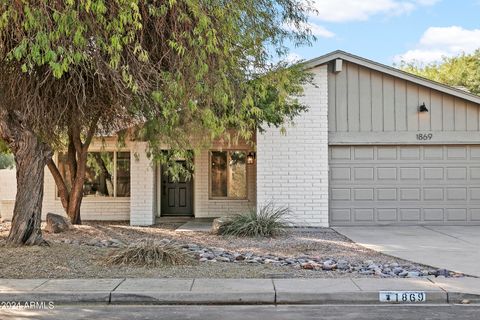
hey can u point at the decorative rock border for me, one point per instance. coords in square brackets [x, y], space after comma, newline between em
[213, 254]
[368, 267]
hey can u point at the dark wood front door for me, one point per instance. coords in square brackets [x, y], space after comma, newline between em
[176, 195]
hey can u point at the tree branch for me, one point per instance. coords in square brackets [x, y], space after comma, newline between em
[60, 182]
[72, 159]
[91, 131]
[75, 135]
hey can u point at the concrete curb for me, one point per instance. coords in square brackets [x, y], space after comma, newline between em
[193, 298]
[233, 291]
[364, 297]
[68, 297]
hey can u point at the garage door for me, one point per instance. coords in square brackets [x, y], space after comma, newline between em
[404, 185]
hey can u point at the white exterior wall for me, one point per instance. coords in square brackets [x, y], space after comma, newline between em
[8, 184]
[8, 190]
[142, 184]
[292, 169]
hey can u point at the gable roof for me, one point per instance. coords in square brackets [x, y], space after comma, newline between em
[338, 54]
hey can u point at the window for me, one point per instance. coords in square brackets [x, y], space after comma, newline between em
[228, 174]
[107, 174]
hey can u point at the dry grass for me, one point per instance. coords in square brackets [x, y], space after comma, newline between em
[150, 253]
[62, 260]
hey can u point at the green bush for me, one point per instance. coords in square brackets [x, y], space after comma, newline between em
[269, 221]
[150, 253]
[6, 161]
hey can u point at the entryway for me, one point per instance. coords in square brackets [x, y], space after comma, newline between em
[176, 194]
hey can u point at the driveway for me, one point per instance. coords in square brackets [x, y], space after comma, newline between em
[451, 247]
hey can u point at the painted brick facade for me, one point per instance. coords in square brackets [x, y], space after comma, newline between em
[143, 187]
[8, 189]
[292, 169]
[8, 184]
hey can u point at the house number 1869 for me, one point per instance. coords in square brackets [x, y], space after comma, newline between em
[424, 136]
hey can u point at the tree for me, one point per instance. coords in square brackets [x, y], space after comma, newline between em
[462, 71]
[172, 69]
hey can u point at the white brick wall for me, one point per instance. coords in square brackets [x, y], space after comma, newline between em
[8, 190]
[292, 169]
[142, 184]
[8, 184]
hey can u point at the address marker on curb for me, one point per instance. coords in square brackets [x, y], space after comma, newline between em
[402, 296]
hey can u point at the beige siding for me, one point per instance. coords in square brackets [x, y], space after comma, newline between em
[362, 100]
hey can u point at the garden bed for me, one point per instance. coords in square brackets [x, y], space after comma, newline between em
[318, 252]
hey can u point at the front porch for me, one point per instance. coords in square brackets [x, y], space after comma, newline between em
[223, 182]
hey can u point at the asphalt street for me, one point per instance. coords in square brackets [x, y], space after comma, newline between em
[328, 312]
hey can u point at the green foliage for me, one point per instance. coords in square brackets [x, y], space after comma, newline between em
[3, 147]
[6, 158]
[461, 71]
[183, 72]
[150, 253]
[6, 161]
[269, 221]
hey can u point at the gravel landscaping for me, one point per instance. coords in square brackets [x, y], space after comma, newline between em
[320, 252]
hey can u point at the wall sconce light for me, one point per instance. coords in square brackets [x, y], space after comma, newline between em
[251, 158]
[422, 108]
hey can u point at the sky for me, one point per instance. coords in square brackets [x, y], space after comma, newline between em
[392, 31]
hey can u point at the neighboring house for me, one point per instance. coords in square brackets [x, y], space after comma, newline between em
[367, 152]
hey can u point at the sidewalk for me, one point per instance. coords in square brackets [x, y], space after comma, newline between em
[234, 291]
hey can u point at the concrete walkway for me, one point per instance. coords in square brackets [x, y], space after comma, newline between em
[456, 248]
[196, 225]
[233, 291]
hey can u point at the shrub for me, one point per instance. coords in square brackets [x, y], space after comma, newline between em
[150, 253]
[269, 221]
[6, 161]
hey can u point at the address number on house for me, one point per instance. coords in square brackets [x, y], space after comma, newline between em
[424, 136]
[402, 296]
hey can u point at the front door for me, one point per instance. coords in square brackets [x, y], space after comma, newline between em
[176, 199]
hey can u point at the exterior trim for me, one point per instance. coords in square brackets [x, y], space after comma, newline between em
[398, 138]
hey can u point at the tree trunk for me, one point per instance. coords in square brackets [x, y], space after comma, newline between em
[31, 156]
[77, 165]
[63, 192]
[71, 199]
[106, 175]
[76, 194]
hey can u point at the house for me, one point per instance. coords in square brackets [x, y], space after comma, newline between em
[377, 146]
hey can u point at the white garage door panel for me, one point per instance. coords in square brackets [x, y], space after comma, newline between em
[404, 185]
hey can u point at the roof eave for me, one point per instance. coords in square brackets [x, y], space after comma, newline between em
[338, 54]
